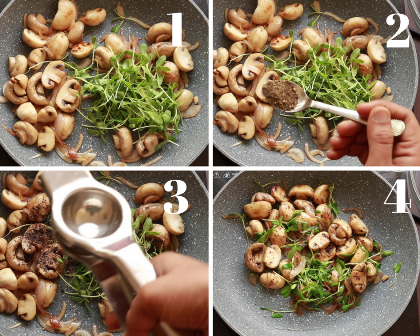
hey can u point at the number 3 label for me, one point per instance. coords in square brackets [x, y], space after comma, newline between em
[399, 187]
[404, 22]
[181, 187]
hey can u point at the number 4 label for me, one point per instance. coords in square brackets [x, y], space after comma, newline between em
[399, 188]
[404, 22]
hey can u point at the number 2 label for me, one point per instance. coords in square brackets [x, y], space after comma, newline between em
[404, 22]
[182, 201]
[399, 187]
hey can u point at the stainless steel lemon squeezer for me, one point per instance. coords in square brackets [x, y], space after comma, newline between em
[93, 224]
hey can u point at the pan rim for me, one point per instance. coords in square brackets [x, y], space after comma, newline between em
[391, 322]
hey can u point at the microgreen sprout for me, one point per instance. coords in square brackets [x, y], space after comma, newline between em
[397, 268]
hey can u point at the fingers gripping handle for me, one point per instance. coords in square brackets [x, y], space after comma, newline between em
[349, 114]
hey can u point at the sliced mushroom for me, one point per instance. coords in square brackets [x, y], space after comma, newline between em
[36, 238]
[36, 26]
[234, 86]
[82, 49]
[274, 27]
[149, 193]
[358, 226]
[153, 210]
[162, 240]
[355, 26]
[264, 12]
[263, 114]
[32, 39]
[280, 42]
[228, 102]
[25, 132]
[301, 192]
[246, 128]
[305, 205]
[116, 43]
[286, 210]
[183, 59]
[378, 90]
[57, 46]
[272, 256]
[20, 84]
[300, 50]
[326, 254]
[291, 12]
[219, 90]
[93, 17]
[39, 208]
[12, 201]
[36, 96]
[65, 16]
[147, 146]
[247, 105]
[172, 75]
[157, 30]
[371, 272]
[125, 141]
[311, 36]
[238, 20]
[321, 194]
[226, 121]
[53, 74]
[27, 112]
[68, 99]
[254, 256]
[366, 241]
[347, 249]
[8, 301]
[27, 307]
[103, 57]
[16, 219]
[46, 139]
[253, 66]
[320, 241]
[173, 223]
[8, 279]
[236, 50]
[358, 257]
[257, 39]
[12, 258]
[27, 281]
[272, 281]
[3, 227]
[254, 226]
[358, 277]
[376, 51]
[222, 58]
[268, 76]
[75, 34]
[286, 272]
[47, 115]
[258, 210]
[321, 131]
[365, 68]
[339, 231]
[48, 264]
[278, 236]
[233, 33]
[17, 65]
[36, 57]
[222, 75]
[11, 96]
[325, 213]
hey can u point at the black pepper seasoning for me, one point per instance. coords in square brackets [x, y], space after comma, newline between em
[281, 94]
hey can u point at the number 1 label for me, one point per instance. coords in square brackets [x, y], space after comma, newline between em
[176, 29]
[399, 187]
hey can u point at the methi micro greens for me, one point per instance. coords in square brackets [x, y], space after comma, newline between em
[131, 93]
[329, 76]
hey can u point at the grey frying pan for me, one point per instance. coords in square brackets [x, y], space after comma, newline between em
[238, 303]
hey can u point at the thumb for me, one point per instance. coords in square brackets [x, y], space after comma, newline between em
[380, 137]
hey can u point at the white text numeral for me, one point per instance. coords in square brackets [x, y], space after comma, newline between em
[399, 188]
[176, 29]
[181, 187]
[404, 22]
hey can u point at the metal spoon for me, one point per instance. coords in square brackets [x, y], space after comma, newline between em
[305, 102]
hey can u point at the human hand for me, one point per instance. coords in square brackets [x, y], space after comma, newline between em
[375, 144]
[179, 296]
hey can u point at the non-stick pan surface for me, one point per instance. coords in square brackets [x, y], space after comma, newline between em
[238, 302]
[193, 242]
[400, 72]
[194, 136]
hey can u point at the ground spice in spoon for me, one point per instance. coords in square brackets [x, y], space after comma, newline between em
[281, 94]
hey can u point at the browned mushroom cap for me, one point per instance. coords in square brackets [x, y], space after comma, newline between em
[67, 98]
[39, 208]
[359, 277]
[47, 264]
[261, 196]
[279, 194]
[254, 256]
[53, 74]
[36, 238]
[153, 210]
[302, 192]
[15, 256]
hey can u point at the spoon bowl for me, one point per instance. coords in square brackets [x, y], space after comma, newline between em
[304, 102]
